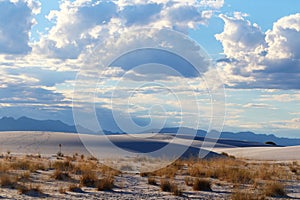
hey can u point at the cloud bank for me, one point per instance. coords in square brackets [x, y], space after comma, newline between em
[257, 59]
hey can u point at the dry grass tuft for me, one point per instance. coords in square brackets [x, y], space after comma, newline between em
[24, 176]
[152, 181]
[176, 190]
[188, 181]
[34, 191]
[60, 175]
[105, 184]
[26, 164]
[275, 189]
[167, 186]
[8, 181]
[106, 170]
[89, 179]
[202, 185]
[66, 165]
[62, 190]
[75, 188]
[167, 172]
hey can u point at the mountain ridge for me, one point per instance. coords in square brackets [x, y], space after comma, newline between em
[29, 124]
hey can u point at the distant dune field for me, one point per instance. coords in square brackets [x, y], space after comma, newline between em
[48, 143]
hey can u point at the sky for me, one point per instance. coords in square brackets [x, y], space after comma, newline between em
[48, 48]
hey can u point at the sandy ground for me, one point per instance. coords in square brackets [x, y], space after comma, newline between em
[131, 185]
[264, 153]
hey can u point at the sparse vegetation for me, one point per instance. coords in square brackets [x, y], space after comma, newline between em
[275, 189]
[105, 184]
[188, 181]
[168, 186]
[250, 180]
[75, 188]
[8, 181]
[165, 185]
[89, 179]
[202, 185]
[65, 165]
[60, 175]
[152, 181]
[62, 190]
[31, 190]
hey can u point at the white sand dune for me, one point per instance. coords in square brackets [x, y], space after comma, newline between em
[264, 153]
[101, 145]
[48, 143]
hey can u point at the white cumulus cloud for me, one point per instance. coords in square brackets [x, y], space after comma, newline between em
[257, 59]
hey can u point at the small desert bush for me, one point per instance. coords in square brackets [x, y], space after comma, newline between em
[105, 184]
[202, 185]
[31, 190]
[27, 164]
[89, 179]
[3, 167]
[176, 190]
[106, 170]
[66, 165]
[144, 174]
[152, 181]
[62, 190]
[167, 172]
[8, 181]
[188, 181]
[24, 176]
[75, 188]
[275, 189]
[60, 175]
[86, 167]
[165, 185]
[227, 169]
[22, 164]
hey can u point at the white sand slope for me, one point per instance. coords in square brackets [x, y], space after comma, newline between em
[264, 153]
[48, 143]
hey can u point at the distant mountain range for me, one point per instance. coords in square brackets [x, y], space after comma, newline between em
[240, 136]
[28, 124]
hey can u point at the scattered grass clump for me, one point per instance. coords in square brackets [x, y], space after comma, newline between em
[106, 170]
[65, 165]
[60, 175]
[26, 164]
[176, 190]
[188, 181]
[105, 184]
[8, 181]
[62, 190]
[89, 179]
[31, 190]
[167, 172]
[165, 185]
[152, 181]
[202, 185]
[275, 189]
[75, 188]
[24, 176]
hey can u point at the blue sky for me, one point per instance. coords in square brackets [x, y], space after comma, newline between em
[254, 46]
